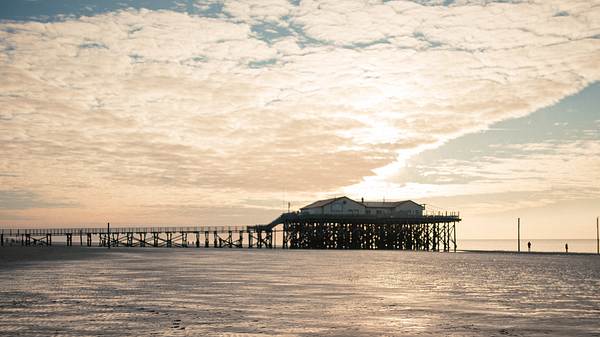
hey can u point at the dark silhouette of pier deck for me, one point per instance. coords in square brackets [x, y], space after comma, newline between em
[289, 230]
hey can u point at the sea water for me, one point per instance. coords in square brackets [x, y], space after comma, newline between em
[79, 291]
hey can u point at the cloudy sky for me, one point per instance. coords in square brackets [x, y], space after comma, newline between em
[221, 112]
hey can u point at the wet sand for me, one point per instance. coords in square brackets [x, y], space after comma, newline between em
[80, 291]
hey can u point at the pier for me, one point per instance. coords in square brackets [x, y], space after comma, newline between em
[289, 231]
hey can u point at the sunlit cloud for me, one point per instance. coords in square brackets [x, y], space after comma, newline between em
[547, 173]
[137, 107]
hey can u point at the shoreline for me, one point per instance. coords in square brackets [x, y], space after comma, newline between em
[60, 247]
[521, 253]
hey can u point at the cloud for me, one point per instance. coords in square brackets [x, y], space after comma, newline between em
[19, 200]
[125, 107]
[533, 175]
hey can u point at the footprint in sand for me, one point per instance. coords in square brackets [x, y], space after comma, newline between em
[176, 324]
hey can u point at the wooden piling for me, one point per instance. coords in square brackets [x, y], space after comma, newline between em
[183, 239]
[454, 231]
[354, 232]
[169, 236]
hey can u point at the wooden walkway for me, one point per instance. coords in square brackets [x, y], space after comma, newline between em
[206, 236]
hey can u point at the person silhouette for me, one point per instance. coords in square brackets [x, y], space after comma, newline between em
[566, 247]
[529, 246]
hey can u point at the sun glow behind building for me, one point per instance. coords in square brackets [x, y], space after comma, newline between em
[209, 112]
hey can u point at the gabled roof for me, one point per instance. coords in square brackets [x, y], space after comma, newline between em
[373, 204]
[321, 203]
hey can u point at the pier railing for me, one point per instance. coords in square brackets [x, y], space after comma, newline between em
[98, 230]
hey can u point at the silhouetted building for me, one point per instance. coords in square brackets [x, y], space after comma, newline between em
[345, 205]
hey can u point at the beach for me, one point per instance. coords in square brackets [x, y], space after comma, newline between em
[78, 291]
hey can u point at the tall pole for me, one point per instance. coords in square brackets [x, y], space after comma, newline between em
[108, 233]
[597, 238]
[519, 234]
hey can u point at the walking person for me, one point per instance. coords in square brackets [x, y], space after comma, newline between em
[566, 247]
[529, 247]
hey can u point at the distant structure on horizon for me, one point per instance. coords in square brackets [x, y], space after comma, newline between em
[346, 206]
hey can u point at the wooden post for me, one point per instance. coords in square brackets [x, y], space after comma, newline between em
[108, 233]
[454, 227]
[259, 238]
[519, 234]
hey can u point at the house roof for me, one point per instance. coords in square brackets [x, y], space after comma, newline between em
[321, 203]
[373, 204]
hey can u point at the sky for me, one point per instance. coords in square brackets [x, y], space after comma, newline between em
[222, 112]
